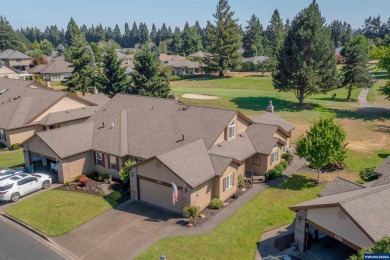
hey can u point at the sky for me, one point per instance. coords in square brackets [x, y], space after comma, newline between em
[40, 13]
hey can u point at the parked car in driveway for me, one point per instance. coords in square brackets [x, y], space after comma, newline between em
[6, 172]
[281, 257]
[12, 188]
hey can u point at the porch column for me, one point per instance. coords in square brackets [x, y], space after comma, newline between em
[133, 177]
[26, 155]
[300, 230]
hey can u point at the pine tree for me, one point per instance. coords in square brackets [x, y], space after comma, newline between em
[143, 33]
[134, 35]
[72, 31]
[190, 40]
[356, 70]
[275, 33]
[153, 35]
[117, 35]
[83, 76]
[253, 39]
[114, 78]
[127, 36]
[8, 37]
[163, 33]
[175, 45]
[46, 47]
[307, 60]
[147, 78]
[224, 39]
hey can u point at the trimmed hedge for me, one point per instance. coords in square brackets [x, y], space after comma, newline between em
[216, 203]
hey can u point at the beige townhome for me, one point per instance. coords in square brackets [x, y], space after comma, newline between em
[201, 150]
[15, 59]
[27, 108]
[353, 214]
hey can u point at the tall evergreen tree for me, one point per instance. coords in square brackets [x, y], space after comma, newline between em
[356, 70]
[134, 35]
[153, 34]
[253, 39]
[127, 36]
[143, 33]
[72, 31]
[275, 33]
[46, 47]
[191, 41]
[175, 45]
[114, 78]
[8, 37]
[118, 35]
[306, 61]
[224, 39]
[163, 33]
[83, 76]
[148, 80]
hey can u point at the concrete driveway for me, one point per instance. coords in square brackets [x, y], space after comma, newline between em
[120, 233]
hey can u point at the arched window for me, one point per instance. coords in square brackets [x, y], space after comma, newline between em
[232, 129]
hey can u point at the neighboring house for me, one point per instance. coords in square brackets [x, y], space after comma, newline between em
[200, 55]
[255, 59]
[167, 57]
[26, 108]
[126, 60]
[11, 73]
[15, 59]
[202, 150]
[57, 69]
[353, 214]
[182, 67]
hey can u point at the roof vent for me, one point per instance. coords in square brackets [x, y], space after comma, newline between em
[241, 135]
[182, 139]
[220, 145]
[67, 111]
[112, 125]
[3, 91]
[102, 126]
[15, 98]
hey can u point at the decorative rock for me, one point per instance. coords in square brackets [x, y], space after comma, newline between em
[243, 189]
[190, 225]
[225, 204]
[202, 215]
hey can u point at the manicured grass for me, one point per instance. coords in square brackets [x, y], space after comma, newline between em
[236, 237]
[57, 212]
[357, 161]
[11, 158]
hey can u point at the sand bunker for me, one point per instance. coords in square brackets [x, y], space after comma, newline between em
[199, 96]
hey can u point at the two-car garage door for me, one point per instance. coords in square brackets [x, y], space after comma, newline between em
[159, 195]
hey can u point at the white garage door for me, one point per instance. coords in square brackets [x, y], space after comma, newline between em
[159, 195]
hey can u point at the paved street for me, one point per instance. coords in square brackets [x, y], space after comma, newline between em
[15, 245]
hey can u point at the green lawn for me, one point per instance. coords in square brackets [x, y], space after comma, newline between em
[236, 237]
[11, 158]
[57, 212]
[357, 161]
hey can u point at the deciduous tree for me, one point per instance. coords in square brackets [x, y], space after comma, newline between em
[380, 247]
[383, 55]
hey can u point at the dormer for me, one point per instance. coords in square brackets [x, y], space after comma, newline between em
[231, 130]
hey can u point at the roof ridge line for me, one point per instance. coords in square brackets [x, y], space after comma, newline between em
[357, 184]
[374, 190]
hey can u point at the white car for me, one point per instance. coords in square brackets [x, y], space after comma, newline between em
[12, 188]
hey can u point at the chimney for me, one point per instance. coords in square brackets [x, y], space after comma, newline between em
[95, 90]
[270, 107]
[48, 83]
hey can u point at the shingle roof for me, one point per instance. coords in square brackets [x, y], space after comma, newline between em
[99, 99]
[220, 163]
[255, 59]
[57, 65]
[167, 57]
[239, 148]
[384, 167]
[369, 207]
[155, 125]
[71, 143]
[190, 162]
[182, 64]
[12, 54]
[339, 185]
[269, 118]
[200, 54]
[68, 115]
[262, 137]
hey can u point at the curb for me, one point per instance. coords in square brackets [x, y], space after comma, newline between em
[38, 233]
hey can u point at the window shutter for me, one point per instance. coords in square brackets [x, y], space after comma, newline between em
[109, 161]
[117, 163]
[94, 158]
[234, 175]
[224, 184]
[104, 161]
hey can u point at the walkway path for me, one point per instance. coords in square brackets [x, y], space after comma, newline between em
[363, 98]
[367, 107]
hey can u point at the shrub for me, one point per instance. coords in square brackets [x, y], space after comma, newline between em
[115, 195]
[241, 181]
[124, 173]
[279, 168]
[368, 174]
[360, 181]
[77, 178]
[173, 78]
[191, 212]
[67, 183]
[5, 149]
[84, 180]
[101, 193]
[16, 146]
[103, 176]
[284, 164]
[273, 174]
[216, 203]
[288, 156]
[248, 66]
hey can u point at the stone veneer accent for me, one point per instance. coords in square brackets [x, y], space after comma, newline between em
[300, 229]
[133, 183]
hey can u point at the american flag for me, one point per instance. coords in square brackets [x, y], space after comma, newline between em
[174, 193]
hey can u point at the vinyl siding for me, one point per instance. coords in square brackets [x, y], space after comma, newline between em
[20, 135]
[37, 146]
[76, 165]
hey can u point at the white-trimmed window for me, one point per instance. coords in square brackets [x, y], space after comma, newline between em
[99, 159]
[275, 156]
[2, 135]
[113, 163]
[228, 182]
[232, 129]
